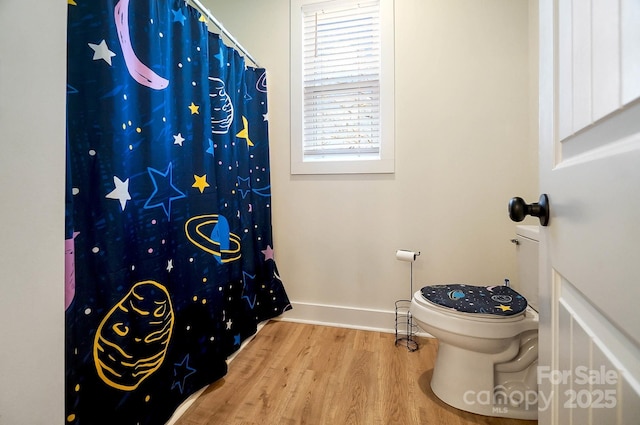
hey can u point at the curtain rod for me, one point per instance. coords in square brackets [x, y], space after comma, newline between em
[217, 23]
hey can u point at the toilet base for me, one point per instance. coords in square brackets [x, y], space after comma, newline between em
[466, 380]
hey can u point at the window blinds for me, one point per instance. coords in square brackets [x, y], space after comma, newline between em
[341, 78]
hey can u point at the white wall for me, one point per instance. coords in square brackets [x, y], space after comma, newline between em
[32, 126]
[464, 147]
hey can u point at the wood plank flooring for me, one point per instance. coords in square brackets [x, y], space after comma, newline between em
[294, 374]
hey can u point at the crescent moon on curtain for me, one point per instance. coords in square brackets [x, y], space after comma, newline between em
[138, 71]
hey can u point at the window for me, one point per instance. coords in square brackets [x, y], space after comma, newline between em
[342, 87]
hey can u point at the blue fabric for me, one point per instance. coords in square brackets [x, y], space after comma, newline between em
[169, 250]
[495, 300]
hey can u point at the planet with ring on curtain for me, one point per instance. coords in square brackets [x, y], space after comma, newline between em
[261, 84]
[210, 233]
[132, 339]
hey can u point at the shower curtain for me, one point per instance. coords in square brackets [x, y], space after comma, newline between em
[169, 252]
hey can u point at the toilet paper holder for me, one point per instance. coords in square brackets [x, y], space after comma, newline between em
[406, 255]
[405, 328]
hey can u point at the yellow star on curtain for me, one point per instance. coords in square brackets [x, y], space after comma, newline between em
[200, 182]
[194, 108]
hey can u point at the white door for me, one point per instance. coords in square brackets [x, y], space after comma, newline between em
[590, 252]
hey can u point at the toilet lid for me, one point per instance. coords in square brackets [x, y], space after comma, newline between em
[494, 300]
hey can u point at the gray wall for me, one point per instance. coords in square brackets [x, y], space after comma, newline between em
[32, 129]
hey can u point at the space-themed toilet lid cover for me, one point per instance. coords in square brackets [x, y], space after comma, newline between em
[494, 300]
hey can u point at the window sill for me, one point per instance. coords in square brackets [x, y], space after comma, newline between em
[344, 166]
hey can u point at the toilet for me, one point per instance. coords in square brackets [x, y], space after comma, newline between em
[487, 339]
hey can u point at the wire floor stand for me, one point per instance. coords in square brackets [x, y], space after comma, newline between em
[405, 328]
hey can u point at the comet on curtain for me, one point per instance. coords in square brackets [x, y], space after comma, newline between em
[138, 71]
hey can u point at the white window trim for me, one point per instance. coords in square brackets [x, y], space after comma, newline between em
[386, 161]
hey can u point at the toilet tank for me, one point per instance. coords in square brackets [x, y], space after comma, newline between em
[526, 242]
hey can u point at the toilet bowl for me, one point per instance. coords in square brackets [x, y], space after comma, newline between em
[487, 342]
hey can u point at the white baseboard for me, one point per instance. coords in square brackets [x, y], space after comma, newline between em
[342, 317]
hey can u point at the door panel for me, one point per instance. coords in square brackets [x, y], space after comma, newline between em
[630, 13]
[597, 365]
[581, 60]
[598, 60]
[590, 169]
[606, 58]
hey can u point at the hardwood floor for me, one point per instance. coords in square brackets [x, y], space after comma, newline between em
[294, 373]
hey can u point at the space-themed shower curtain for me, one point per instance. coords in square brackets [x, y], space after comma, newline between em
[169, 248]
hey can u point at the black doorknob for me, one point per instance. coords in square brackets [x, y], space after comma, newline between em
[518, 209]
